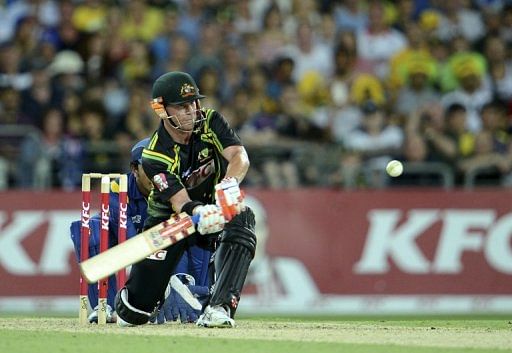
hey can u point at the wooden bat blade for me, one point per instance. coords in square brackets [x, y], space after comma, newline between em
[137, 248]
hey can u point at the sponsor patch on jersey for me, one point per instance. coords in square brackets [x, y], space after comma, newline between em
[205, 153]
[199, 175]
[160, 181]
[158, 256]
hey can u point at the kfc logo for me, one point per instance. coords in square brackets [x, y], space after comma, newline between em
[160, 182]
[199, 175]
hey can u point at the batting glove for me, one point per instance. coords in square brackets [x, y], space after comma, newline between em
[211, 219]
[229, 197]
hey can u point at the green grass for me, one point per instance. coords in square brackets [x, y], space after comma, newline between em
[484, 334]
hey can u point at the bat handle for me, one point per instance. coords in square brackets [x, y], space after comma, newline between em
[195, 218]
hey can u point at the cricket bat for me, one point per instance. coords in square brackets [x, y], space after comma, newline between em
[137, 248]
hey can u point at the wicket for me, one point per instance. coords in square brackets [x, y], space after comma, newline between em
[85, 233]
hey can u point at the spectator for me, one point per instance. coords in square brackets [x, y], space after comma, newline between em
[494, 121]
[42, 94]
[272, 39]
[374, 143]
[239, 105]
[350, 16]
[66, 70]
[378, 41]
[419, 74]
[417, 49]
[206, 52]
[10, 13]
[456, 141]
[500, 70]
[473, 92]
[161, 46]
[50, 159]
[234, 73]
[138, 65]
[140, 21]
[489, 163]
[308, 54]
[492, 22]
[99, 152]
[459, 51]
[11, 74]
[281, 76]
[506, 27]
[208, 79]
[457, 18]
[257, 86]
[10, 108]
[95, 58]
[24, 37]
[141, 119]
[405, 15]
[305, 11]
[244, 19]
[367, 87]
[90, 16]
[180, 55]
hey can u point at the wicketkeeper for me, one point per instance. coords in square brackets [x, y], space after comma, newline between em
[193, 159]
[194, 264]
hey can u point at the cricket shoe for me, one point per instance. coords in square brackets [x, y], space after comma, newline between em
[111, 315]
[215, 316]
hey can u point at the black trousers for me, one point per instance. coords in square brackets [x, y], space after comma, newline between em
[149, 278]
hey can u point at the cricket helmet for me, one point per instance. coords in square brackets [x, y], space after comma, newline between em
[176, 88]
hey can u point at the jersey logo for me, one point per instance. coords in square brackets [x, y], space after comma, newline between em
[160, 182]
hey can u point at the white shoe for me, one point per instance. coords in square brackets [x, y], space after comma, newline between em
[215, 316]
[111, 315]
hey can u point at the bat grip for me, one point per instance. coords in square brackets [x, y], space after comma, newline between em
[196, 218]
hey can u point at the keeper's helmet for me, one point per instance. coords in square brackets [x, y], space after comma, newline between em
[175, 88]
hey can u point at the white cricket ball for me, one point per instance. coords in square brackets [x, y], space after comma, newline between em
[394, 168]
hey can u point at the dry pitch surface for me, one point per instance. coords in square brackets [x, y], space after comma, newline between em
[398, 335]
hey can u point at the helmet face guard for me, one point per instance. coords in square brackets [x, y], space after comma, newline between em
[176, 120]
[176, 88]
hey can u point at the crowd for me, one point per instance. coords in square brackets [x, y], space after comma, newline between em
[323, 93]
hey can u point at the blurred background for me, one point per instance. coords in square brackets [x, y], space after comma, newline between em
[323, 94]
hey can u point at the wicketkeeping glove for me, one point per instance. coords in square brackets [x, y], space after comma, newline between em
[183, 301]
[229, 197]
[211, 219]
[187, 297]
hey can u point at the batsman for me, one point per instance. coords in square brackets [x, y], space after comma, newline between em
[196, 163]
